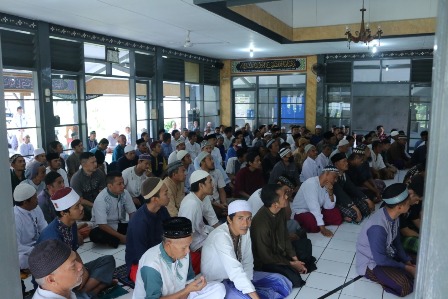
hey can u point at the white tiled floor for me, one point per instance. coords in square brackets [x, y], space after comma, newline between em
[335, 261]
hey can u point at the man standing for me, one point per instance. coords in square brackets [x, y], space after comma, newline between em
[196, 206]
[314, 206]
[109, 212]
[134, 176]
[380, 256]
[272, 248]
[119, 149]
[50, 262]
[88, 182]
[155, 281]
[145, 228]
[73, 161]
[175, 184]
[231, 242]
[29, 219]
[54, 164]
[92, 142]
[97, 274]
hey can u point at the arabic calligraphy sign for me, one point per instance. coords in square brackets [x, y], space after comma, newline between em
[272, 65]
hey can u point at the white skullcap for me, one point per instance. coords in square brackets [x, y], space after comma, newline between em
[198, 175]
[308, 147]
[38, 151]
[394, 133]
[128, 148]
[116, 132]
[181, 154]
[239, 205]
[23, 192]
[202, 156]
[267, 134]
[343, 142]
[318, 127]
[64, 199]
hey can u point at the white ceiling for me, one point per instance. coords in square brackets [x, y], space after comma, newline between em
[165, 22]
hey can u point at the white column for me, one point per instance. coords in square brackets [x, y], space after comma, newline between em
[10, 273]
[432, 271]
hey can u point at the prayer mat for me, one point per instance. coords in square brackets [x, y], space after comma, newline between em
[113, 292]
[121, 274]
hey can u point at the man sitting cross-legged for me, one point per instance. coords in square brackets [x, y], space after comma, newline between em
[97, 274]
[145, 228]
[227, 257]
[380, 256]
[165, 270]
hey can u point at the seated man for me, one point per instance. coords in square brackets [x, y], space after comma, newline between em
[73, 161]
[180, 145]
[17, 170]
[410, 222]
[310, 168]
[234, 164]
[379, 168]
[272, 248]
[285, 166]
[175, 184]
[397, 153]
[54, 164]
[380, 256]
[134, 176]
[196, 206]
[191, 146]
[88, 182]
[166, 145]
[39, 155]
[35, 175]
[271, 158]
[219, 197]
[185, 158]
[323, 159]
[50, 262]
[354, 204]
[231, 242]
[54, 182]
[109, 212]
[102, 146]
[97, 274]
[343, 147]
[158, 162]
[250, 178]
[119, 149]
[145, 228]
[29, 219]
[141, 147]
[129, 158]
[314, 206]
[165, 271]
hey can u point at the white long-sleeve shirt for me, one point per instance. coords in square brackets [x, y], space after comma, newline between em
[218, 254]
[29, 225]
[322, 161]
[194, 209]
[63, 174]
[312, 198]
[310, 169]
[193, 149]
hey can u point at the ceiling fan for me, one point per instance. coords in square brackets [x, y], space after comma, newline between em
[188, 43]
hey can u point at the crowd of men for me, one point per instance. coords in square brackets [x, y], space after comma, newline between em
[239, 201]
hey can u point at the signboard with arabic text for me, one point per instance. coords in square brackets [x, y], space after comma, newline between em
[270, 65]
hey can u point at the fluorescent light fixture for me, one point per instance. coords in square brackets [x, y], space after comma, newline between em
[164, 56]
[251, 53]
[374, 49]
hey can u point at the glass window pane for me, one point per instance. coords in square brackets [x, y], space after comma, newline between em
[107, 96]
[266, 121]
[267, 95]
[142, 109]
[66, 134]
[211, 93]
[292, 104]
[292, 80]
[94, 51]
[142, 126]
[245, 104]
[267, 81]
[18, 143]
[172, 109]
[95, 68]
[171, 89]
[20, 113]
[67, 111]
[171, 124]
[211, 108]
[267, 111]
[244, 82]
[366, 75]
[64, 88]
[390, 74]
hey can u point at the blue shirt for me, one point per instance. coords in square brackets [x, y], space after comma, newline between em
[54, 231]
[166, 150]
[144, 231]
[118, 153]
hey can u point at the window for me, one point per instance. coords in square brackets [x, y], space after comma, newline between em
[338, 105]
[22, 111]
